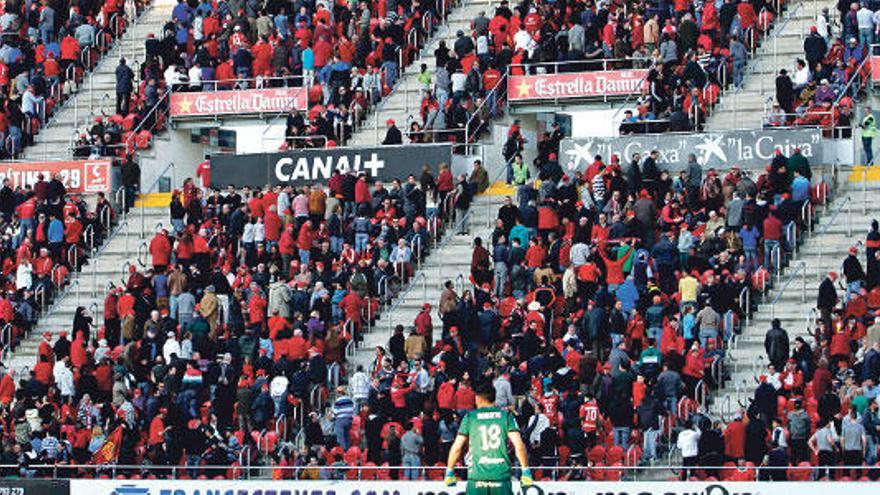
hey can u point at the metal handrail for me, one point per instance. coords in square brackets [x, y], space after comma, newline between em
[94, 264]
[405, 294]
[758, 60]
[62, 471]
[832, 220]
[745, 305]
[89, 236]
[142, 252]
[494, 93]
[73, 256]
[40, 296]
[281, 427]
[315, 397]
[758, 365]
[333, 371]
[120, 198]
[74, 284]
[125, 268]
[800, 269]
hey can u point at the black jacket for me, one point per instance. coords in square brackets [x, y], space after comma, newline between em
[776, 344]
[827, 295]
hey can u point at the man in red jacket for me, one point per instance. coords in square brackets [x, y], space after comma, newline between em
[304, 242]
[160, 250]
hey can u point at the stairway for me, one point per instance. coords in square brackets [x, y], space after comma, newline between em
[450, 260]
[90, 285]
[96, 94]
[403, 103]
[821, 253]
[745, 108]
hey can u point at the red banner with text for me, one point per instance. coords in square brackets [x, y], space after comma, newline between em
[575, 85]
[78, 176]
[247, 101]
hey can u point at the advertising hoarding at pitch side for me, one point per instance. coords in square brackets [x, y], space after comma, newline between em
[296, 487]
[308, 166]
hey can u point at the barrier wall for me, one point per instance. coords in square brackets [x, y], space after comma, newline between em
[201, 487]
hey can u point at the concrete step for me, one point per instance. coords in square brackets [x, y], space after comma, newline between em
[102, 81]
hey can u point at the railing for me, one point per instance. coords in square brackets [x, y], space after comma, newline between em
[315, 397]
[6, 334]
[73, 257]
[758, 365]
[701, 395]
[494, 96]
[606, 64]
[142, 252]
[757, 61]
[120, 199]
[123, 279]
[281, 427]
[403, 296]
[745, 305]
[849, 230]
[333, 373]
[771, 119]
[74, 285]
[40, 298]
[89, 236]
[245, 470]
[802, 270]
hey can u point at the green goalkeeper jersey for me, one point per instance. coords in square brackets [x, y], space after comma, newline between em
[486, 429]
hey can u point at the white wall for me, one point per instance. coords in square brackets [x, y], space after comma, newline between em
[256, 136]
[599, 122]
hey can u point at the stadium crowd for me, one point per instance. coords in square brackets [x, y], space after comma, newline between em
[600, 309]
[692, 53]
[45, 50]
[815, 404]
[347, 56]
[821, 88]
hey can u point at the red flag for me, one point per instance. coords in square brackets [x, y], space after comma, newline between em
[109, 450]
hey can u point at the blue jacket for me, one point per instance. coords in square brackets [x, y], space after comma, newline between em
[56, 231]
[800, 189]
[628, 294]
[749, 237]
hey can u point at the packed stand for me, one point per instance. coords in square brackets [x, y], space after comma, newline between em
[692, 50]
[240, 324]
[814, 412]
[600, 307]
[46, 49]
[347, 56]
[824, 85]
[48, 234]
[602, 335]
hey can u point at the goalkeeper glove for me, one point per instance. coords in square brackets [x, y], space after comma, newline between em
[450, 479]
[525, 479]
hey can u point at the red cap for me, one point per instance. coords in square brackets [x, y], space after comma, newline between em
[853, 250]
